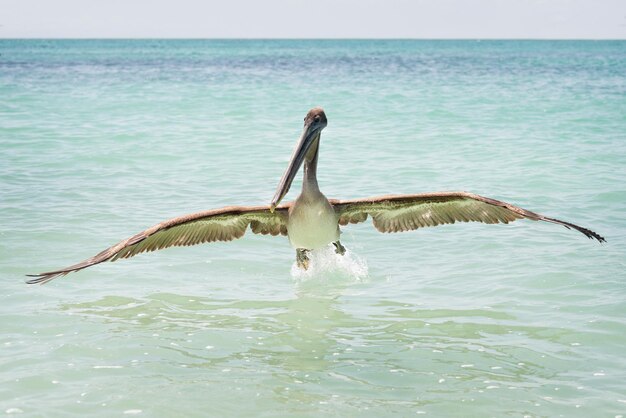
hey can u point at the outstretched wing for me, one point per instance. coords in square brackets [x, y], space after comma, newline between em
[225, 224]
[397, 213]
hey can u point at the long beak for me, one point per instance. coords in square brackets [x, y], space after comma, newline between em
[309, 134]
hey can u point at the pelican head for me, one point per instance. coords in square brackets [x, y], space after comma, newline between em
[314, 122]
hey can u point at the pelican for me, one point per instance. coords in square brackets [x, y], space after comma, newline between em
[312, 221]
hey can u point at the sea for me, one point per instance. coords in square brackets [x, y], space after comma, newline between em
[100, 139]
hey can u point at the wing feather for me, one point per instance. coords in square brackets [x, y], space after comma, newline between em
[225, 224]
[397, 213]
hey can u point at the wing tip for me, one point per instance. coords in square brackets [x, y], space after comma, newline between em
[586, 232]
[594, 235]
[44, 278]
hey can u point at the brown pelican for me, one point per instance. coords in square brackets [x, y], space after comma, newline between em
[312, 221]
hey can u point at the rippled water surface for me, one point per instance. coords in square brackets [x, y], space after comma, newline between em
[100, 139]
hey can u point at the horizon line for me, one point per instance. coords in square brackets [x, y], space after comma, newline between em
[478, 39]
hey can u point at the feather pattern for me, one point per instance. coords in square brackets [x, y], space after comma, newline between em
[390, 213]
[397, 213]
[225, 224]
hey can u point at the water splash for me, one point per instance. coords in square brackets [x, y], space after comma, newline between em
[325, 261]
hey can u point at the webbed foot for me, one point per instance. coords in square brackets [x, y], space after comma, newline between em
[302, 258]
[339, 249]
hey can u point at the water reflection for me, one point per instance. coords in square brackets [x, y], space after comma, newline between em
[299, 332]
[327, 343]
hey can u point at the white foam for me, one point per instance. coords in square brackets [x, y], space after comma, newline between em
[325, 261]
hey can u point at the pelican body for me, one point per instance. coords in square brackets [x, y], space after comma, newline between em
[312, 221]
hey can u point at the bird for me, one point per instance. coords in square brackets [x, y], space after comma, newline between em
[313, 221]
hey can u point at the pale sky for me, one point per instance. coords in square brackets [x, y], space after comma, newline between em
[482, 19]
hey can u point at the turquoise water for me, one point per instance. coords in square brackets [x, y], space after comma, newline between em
[101, 139]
